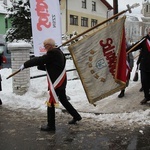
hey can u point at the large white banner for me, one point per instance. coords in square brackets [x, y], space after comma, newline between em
[97, 57]
[45, 16]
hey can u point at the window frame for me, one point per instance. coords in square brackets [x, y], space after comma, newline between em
[84, 22]
[147, 8]
[94, 22]
[6, 23]
[73, 20]
[93, 6]
[84, 4]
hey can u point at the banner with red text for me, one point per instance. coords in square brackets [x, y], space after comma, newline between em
[96, 58]
[45, 16]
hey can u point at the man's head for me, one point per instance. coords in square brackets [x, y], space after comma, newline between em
[49, 44]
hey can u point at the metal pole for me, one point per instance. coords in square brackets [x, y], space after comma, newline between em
[115, 6]
[66, 16]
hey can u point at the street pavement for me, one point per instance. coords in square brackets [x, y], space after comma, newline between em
[21, 131]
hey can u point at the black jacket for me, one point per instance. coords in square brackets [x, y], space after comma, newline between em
[144, 55]
[54, 61]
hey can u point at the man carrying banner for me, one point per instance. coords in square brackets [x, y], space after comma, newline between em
[144, 47]
[53, 62]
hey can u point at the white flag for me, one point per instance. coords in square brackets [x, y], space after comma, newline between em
[96, 58]
[45, 16]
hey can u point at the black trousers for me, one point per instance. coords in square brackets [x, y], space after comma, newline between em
[145, 79]
[61, 93]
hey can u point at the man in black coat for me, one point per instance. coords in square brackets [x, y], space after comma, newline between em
[144, 47]
[54, 63]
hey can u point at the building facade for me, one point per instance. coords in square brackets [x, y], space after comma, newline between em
[80, 15]
[76, 15]
[136, 27]
[146, 8]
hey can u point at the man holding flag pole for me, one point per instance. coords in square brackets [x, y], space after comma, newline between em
[53, 62]
[144, 46]
[46, 24]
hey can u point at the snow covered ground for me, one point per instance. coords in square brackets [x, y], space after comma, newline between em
[111, 111]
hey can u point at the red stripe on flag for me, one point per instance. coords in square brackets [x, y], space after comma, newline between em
[122, 69]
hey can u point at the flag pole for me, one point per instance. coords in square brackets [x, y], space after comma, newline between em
[13, 74]
[116, 15]
[130, 50]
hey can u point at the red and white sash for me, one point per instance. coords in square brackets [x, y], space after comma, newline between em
[53, 99]
[148, 44]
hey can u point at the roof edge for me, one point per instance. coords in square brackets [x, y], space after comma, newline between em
[106, 4]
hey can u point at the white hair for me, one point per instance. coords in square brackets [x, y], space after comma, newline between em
[49, 41]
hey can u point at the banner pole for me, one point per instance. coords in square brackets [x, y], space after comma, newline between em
[130, 50]
[13, 74]
[116, 15]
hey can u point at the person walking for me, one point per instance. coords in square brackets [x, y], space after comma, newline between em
[53, 62]
[144, 47]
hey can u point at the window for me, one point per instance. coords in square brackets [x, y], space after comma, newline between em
[147, 8]
[83, 3]
[93, 22]
[84, 22]
[73, 20]
[93, 6]
[6, 23]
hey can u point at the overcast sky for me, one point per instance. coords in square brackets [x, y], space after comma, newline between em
[122, 5]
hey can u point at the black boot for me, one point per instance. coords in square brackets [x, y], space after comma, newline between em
[0, 102]
[141, 89]
[50, 119]
[74, 120]
[144, 101]
[47, 128]
[121, 94]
